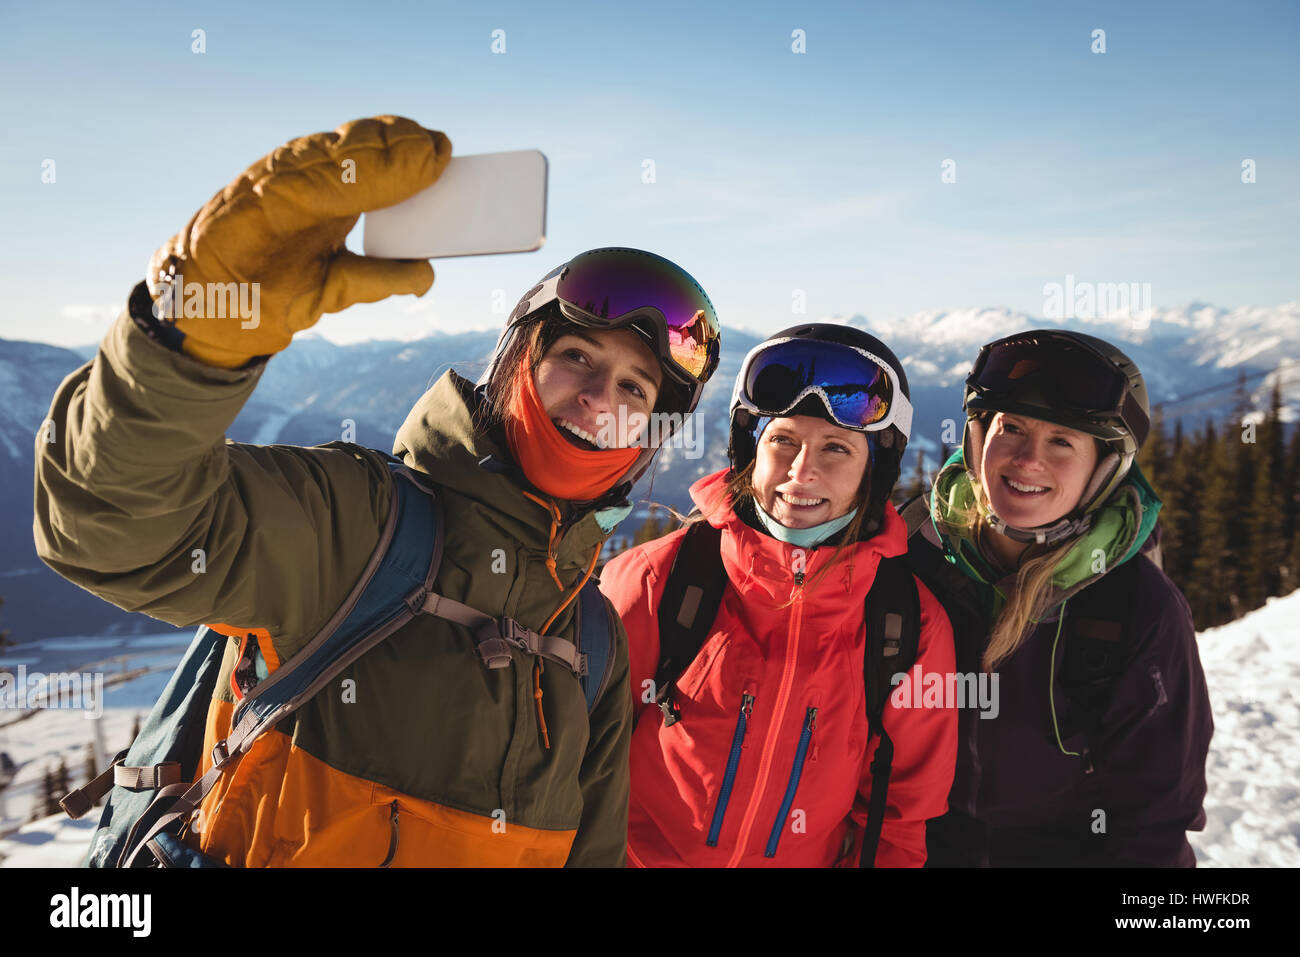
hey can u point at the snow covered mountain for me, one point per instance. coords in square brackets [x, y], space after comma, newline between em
[315, 391]
[1180, 351]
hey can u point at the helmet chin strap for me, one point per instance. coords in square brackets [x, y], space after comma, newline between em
[1065, 529]
[1076, 523]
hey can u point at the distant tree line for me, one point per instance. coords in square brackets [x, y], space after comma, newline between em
[1231, 494]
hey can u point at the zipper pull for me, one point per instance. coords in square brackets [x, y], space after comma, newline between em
[392, 841]
[811, 723]
[747, 704]
[798, 578]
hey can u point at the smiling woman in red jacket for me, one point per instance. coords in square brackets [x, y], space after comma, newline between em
[762, 752]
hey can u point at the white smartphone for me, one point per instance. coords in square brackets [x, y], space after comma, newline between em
[483, 204]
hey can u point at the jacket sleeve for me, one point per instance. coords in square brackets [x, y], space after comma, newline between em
[925, 753]
[604, 779]
[634, 589]
[140, 500]
[1154, 738]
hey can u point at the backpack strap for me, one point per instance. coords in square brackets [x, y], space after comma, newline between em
[403, 564]
[692, 596]
[80, 800]
[915, 514]
[1098, 649]
[893, 619]
[495, 637]
[596, 641]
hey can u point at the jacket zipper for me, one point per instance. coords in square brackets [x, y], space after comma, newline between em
[809, 725]
[392, 841]
[773, 727]
[733, 760]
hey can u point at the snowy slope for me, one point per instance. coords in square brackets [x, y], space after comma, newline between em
[1253, 806]
[1252, 809]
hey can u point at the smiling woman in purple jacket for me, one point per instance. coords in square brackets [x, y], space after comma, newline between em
[1040, 542]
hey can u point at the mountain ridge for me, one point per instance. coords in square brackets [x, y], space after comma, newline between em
[318, 391]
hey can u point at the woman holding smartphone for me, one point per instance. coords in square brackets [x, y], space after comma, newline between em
[427, 756]
[1039, 541]
[764, 749]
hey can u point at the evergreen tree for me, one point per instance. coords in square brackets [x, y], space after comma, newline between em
[651, 528]
[61, 784]
[1210, 590]
[1153, 458]
[1242, 435]
[1179, 490]
[1290, 577]
[1277, 436]
[917, 484]
[1265, 548]
[89, 768]
[49, 803]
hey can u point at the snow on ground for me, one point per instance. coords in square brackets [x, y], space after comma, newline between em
[38, 741]
[1252, 808]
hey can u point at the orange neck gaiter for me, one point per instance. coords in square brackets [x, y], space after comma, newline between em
[557, 468]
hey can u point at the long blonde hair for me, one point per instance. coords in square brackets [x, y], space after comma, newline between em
[1028, 598]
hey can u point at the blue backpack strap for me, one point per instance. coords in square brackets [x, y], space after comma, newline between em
[404, 562]
[388, 594]
[596, 640]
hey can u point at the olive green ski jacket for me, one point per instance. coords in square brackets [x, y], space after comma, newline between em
[417, 754]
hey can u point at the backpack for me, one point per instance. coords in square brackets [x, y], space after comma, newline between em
[693, 594]
[151, 799]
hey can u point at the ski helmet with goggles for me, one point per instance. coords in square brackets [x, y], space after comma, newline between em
[837, 373]
[1069, 379]
[617, 287]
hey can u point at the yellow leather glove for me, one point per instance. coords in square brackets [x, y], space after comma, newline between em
[281, 225]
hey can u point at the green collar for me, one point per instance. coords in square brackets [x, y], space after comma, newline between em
[1119, 529]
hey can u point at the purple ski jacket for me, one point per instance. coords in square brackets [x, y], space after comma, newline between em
[1052, 771]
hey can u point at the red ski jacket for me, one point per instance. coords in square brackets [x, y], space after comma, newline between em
[769, 764]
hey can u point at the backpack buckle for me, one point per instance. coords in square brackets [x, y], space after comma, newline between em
[671, 713]
[220, 754]
[668, 705]
[496, 636]
[415, 600]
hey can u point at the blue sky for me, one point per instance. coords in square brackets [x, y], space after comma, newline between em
[775, 171]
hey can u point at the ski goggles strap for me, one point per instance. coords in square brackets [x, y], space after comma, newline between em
[860, 390]
[622, 286]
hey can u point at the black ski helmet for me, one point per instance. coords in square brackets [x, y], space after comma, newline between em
[886, 445]
[617, 277]
[1061, 355]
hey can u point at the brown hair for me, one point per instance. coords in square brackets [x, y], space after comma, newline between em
[531, 339]
[534, 337]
